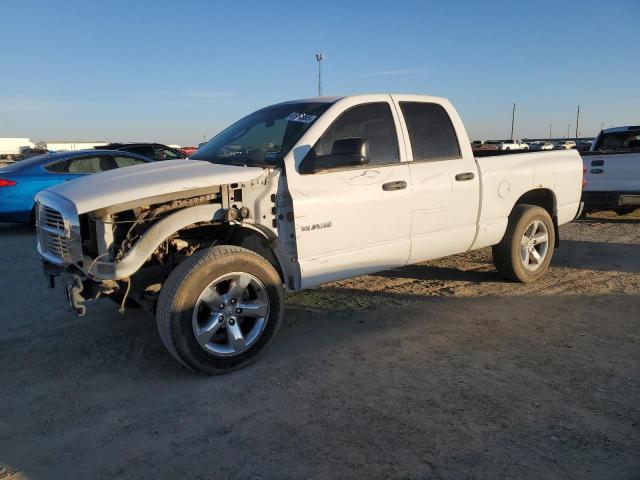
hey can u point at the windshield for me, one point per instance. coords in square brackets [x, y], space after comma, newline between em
[262, 138]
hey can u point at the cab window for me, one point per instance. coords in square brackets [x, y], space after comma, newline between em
[431, 132]
[373, 122]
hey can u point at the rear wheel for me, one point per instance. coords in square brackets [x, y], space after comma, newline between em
[220, 308]
[526, 249]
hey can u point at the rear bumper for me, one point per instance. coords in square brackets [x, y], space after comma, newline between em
[580, 210]
[610, 200]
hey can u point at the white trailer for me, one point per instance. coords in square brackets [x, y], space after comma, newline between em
[71, 146]
[14, 146]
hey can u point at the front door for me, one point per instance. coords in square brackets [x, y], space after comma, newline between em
[354, 220]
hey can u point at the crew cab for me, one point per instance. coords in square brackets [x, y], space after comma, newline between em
[292, 196]
[612, 170]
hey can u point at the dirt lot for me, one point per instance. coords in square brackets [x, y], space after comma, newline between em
[440, 370]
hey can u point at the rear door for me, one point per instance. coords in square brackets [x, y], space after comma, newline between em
[445, 192]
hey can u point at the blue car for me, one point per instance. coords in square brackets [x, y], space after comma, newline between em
[21, 181]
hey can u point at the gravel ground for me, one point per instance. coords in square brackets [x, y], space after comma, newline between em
[440, 370]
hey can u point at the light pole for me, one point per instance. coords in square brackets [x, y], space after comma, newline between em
[513, 118]
[568, 130]
[550, 132]
[319, 59]
[577, 122]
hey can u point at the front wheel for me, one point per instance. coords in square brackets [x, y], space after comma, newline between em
[525, 251]
[219, 309]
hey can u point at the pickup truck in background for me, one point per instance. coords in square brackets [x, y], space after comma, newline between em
[292, 196]
[612, 171]
[564, 145]
[512, 145]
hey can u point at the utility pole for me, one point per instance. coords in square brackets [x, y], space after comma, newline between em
[550, 132]
[319, 59]
[577, 122]
[513, 118]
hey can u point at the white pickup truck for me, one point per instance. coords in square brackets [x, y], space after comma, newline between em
[612, 171]
[512, 145]
[292, 196]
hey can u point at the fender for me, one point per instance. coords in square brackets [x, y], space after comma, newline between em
[158, 233]
[151, 240]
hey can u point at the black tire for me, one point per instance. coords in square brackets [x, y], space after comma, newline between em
[181, 291]
[507, 254]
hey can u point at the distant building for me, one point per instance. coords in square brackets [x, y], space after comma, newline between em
[14, 146]
[70, 146]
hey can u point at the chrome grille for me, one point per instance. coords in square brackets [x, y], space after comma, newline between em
[52, 218]
[57, 245]
[58, 240]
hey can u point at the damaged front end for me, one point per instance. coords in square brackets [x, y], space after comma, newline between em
[126, 251]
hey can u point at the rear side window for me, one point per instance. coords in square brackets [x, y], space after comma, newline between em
[89, 165]
[372, 121]
[431, 132]
[57, 167]
[126, 161]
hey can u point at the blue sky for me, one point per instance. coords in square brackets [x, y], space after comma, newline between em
[180, 71]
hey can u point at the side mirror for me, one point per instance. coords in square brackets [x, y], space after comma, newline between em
[345, 152]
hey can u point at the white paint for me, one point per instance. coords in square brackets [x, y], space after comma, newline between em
[370, 228]
[345, 223]
[620, 172]
[123, 185]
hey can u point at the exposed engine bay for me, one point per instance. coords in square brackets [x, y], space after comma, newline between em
[129, 250]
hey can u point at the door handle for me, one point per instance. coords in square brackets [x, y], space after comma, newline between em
[462, 177]
[595, 171]
[597, 163]
[398, 185]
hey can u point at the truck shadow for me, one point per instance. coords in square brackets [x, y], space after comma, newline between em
[432, 272]
[599, 256]
[595, 220]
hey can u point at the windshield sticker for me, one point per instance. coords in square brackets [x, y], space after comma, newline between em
[300, 117]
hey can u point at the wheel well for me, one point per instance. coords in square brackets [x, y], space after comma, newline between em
[245, 238]
[252, 240]
[542, 197]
